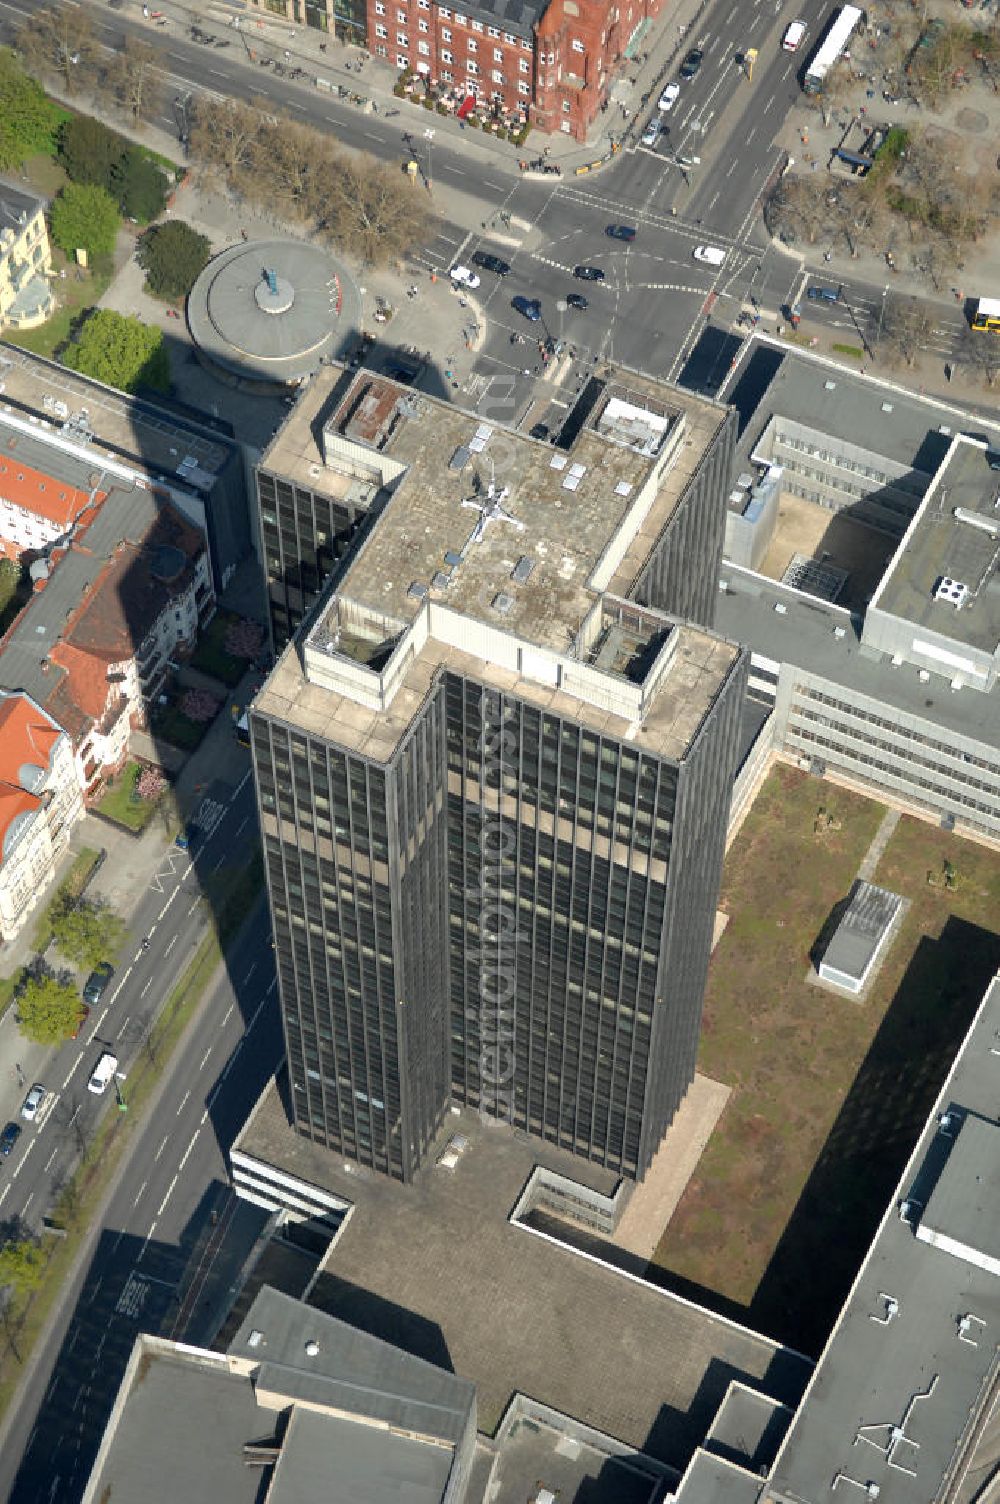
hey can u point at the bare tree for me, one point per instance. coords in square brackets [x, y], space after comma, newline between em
[907, 324]
[796, 211]
[59, 42]
[371, 212]
[133, 77]
[980, 354]
[935, 259]
[223, 138]
[291, 163]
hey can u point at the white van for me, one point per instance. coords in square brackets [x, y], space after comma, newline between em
[104, 1074]
[792, 40]
[711, 254]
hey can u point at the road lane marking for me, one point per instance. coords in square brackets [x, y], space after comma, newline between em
[195, 904]
[187, 1152]
[182, 1101]
[139, 1193]
[161, 1148]
[242, 825]
[218, 864]
[249, 974]
[146, 988]
[228, 1014]
[246, 776]
[72, 1068]
[166, 1198]
[168, 903]
[204, 1058]
[48, 1162]
[170, 946]
[145, 1243]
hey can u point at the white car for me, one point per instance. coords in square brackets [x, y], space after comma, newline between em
[463, 277]
[651, 134]
[792, 40]
[104, 1074]
[710, 254]
[669, 97]
[32, 1102]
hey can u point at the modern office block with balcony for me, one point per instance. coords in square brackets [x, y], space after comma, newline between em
[494, 774]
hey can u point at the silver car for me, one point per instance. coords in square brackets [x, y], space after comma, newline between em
[32, 1102]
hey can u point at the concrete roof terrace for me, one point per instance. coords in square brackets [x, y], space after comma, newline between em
[436, 1268]
[955, 535]
[552, 569]
[606, 497]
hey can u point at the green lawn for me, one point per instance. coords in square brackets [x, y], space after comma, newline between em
[73, 883]
[77, 294]
[119, 805]
[828, 1094]
[210, 655]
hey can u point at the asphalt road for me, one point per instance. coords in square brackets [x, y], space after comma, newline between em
[174, 915]
[174, 1236]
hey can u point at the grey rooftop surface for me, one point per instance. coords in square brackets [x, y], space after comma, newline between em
[17, 207]
[803, 635]
[956, 535]
[964, 1205]
[917, 1371]
[861, 410]
[436, 1268]
[518, 16]
[141, 433]
[350, 1419]
[554, 555]
[277, 334]
[869, 913]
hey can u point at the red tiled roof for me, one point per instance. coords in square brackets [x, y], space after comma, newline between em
[80, 697]
[14, 801]
[39, 493]
[26, 736]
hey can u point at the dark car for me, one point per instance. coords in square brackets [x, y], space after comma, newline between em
[691, 63]
[187, 840]
[531, 308]
[491, 263]
[8, 1138]
[588, 273]
[577, 300]
[823, 294]
[96, 984]
[620, 232]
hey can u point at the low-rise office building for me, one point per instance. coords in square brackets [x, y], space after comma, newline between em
[862, 545]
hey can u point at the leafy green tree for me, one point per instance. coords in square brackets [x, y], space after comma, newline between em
[89, 151]
[121, 351]
[29, 120]
[173, 256]
[48, 1010]
[22, 1265]
[140, 186]
[84, 215]
[86, 933]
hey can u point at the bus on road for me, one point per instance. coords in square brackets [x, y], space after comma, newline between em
[831, 48]
[987, 315]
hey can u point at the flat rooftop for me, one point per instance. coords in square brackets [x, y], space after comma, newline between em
[138, 431]
[914, 1367]
[880, 416]
[436, 1268]
[954, 536]
[531, 545]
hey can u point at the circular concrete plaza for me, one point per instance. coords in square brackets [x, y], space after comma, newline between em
[266, 312]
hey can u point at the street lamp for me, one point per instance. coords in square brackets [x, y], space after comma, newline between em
[881, 316]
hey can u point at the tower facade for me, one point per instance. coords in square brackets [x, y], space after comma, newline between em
[494, 788]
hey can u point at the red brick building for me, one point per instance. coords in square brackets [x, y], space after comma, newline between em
[547, 61]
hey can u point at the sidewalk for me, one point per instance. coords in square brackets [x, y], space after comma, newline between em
[324, 56]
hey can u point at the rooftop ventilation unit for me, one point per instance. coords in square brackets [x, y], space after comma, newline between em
[440, 579]
[503, 603]
[452, 559]
[977, 520]
[953, 592]
[521, 572]
[417, 590]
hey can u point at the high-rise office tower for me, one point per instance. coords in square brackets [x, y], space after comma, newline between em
[494, 772]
